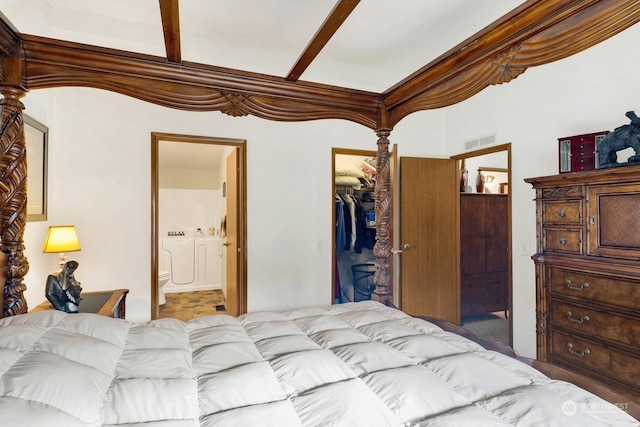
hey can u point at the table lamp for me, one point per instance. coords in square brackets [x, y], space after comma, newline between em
[61, 239]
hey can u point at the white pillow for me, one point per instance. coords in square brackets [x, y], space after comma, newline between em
[345, 169]
[350, 181]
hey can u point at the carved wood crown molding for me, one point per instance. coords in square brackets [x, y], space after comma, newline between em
[190, 86]
[535, 34]
[538, 32]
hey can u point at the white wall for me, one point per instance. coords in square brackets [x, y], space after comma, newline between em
[585, 93]
[100, 180]
[100, 174]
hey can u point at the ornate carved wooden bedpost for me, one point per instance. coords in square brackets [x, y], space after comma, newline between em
[382, 248]
[13, 198]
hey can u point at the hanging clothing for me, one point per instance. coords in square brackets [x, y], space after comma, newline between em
[341, 238]
[350, 201]
[347, 221]
[361, 228]
[352, 233]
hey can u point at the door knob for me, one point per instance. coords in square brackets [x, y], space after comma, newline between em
[226, 244]
[405, 247]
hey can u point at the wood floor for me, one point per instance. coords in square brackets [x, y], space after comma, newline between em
[189, 305]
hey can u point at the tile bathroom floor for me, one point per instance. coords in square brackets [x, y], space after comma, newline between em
[189, 305]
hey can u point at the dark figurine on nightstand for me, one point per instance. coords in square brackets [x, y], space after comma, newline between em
[622, 137]
[63, 290]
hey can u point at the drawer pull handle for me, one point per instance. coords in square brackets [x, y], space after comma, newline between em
[561, 213]
[580, 287]
[582, 319]
[592, 219]
[562, 241]
[582, 353]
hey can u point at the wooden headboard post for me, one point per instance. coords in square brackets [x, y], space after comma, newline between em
[13, 172]
[13, 201]
[382, 248]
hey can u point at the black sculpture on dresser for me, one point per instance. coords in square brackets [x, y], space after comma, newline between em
[621, 138]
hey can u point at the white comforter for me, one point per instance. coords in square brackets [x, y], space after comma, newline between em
[358, 364]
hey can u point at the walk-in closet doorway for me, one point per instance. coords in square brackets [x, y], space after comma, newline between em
[353, 238]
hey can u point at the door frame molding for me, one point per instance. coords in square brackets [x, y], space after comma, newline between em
[490, 150]
[156, 137]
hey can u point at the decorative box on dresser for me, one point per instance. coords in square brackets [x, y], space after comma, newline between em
[588, 274]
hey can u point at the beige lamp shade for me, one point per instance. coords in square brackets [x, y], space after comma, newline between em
[61, 238]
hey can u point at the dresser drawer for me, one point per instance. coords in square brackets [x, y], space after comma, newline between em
[610, 365]
[614, 327]
[560, 212]
[621, 293]
[565, 240]
[562, 192]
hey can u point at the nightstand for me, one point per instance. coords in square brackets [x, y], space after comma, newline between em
[104, 303]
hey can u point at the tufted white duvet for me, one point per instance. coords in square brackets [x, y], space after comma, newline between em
[358, 364]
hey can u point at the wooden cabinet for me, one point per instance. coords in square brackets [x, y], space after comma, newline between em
[483, 254]
[588, 274]
[105, 303]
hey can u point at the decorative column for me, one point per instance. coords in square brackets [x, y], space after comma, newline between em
[382, 249]
[13, 198]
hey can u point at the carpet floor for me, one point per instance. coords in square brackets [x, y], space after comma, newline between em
[490, 326]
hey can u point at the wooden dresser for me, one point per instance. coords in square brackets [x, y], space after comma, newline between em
[588, 274]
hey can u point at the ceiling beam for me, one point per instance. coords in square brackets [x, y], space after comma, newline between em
[329, 27]
[538, 32]
[169, 11]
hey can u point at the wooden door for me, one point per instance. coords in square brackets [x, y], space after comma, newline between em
[231, 242]
[429, 233]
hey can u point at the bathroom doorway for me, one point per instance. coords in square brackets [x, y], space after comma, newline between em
[198, 233]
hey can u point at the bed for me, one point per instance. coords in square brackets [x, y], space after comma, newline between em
[355, 364]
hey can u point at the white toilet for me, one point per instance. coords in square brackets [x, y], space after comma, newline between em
[163, 278]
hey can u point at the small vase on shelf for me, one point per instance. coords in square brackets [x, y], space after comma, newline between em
[480, 182]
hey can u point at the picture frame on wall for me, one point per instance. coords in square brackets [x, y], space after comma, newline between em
[37, 142]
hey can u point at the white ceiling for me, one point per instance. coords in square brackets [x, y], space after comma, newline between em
[381, 42]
